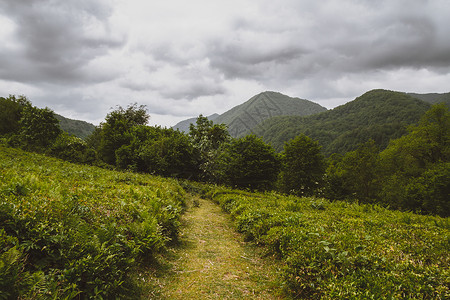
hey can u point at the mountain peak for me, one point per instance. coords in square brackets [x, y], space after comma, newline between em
[242, 119]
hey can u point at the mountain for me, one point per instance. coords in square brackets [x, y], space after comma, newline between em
[433, 98]
[77, 128]
[184, 125]
[245, 118]
[380, 115]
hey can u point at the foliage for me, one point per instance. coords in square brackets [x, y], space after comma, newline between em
[358, 172]
[69, 230]
[250, 163]
[413, 167]
[115, 130]
[303, 166]
[339, 250]
[73, 149]
[39, 128]
[11, 112]
[208, 139]
[379, 115]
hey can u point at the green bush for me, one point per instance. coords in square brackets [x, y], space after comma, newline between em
[341, 250]
[68, 230]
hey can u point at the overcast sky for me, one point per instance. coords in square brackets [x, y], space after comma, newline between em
[183, 58]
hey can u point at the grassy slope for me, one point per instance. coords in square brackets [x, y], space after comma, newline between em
[69, 230]
[378, 114]
[337, 250]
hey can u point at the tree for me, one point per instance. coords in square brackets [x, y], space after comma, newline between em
[115, 131]
[39, 128]
[414, 166]
[11, 112]
[171, 154]
[248, 162]
[208, 138]
[302, 166]
[360, 172]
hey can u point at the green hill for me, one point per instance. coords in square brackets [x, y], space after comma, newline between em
[243, 119]
[77, 128]
[184, 125]
[380, 115]
[433, 98]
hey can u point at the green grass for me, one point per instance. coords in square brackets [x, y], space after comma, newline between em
[68, 230]
[337, 250]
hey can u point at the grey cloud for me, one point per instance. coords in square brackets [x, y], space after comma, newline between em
[58, 39]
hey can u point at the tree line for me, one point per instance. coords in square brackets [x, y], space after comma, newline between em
[411, 173]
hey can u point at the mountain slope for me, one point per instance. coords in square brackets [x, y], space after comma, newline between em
[245, 118]
[433, 98]
[77, 128]
[378, 114]
[184, 125]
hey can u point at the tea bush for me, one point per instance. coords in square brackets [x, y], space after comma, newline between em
[341, 250]
[75, 231]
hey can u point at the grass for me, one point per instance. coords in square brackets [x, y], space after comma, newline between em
[212, 262]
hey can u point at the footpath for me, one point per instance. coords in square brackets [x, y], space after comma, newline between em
[212, 261]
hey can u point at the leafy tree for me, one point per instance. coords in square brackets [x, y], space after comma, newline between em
[170, 155]
[248, 162]
[115, 131]
[359, 172]
[73, 149]
[303, 166]
[208, 138]
[11, 112]
[39, 128]
[412, 166]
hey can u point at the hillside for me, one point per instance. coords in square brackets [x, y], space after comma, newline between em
[244, 118]
[77, 128]
[380, 115]
[433, 98]
[68, 230]
[184, 125]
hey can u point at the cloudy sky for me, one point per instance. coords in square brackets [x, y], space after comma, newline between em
[182, 58]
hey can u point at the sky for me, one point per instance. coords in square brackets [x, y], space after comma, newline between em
[83, 58]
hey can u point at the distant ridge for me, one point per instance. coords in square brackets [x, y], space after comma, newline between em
[245, 118]
[184, 125]
[433, 98]
[77, 128]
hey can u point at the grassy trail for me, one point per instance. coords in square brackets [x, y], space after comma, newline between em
[212, 262]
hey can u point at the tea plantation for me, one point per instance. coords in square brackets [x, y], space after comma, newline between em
[340, 250]
[71, 231]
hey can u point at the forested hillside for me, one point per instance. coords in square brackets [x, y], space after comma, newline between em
[244, 118]
[80, 129]
[433, 98]
[380, 115]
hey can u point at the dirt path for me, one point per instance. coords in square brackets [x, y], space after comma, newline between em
[212, 262]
